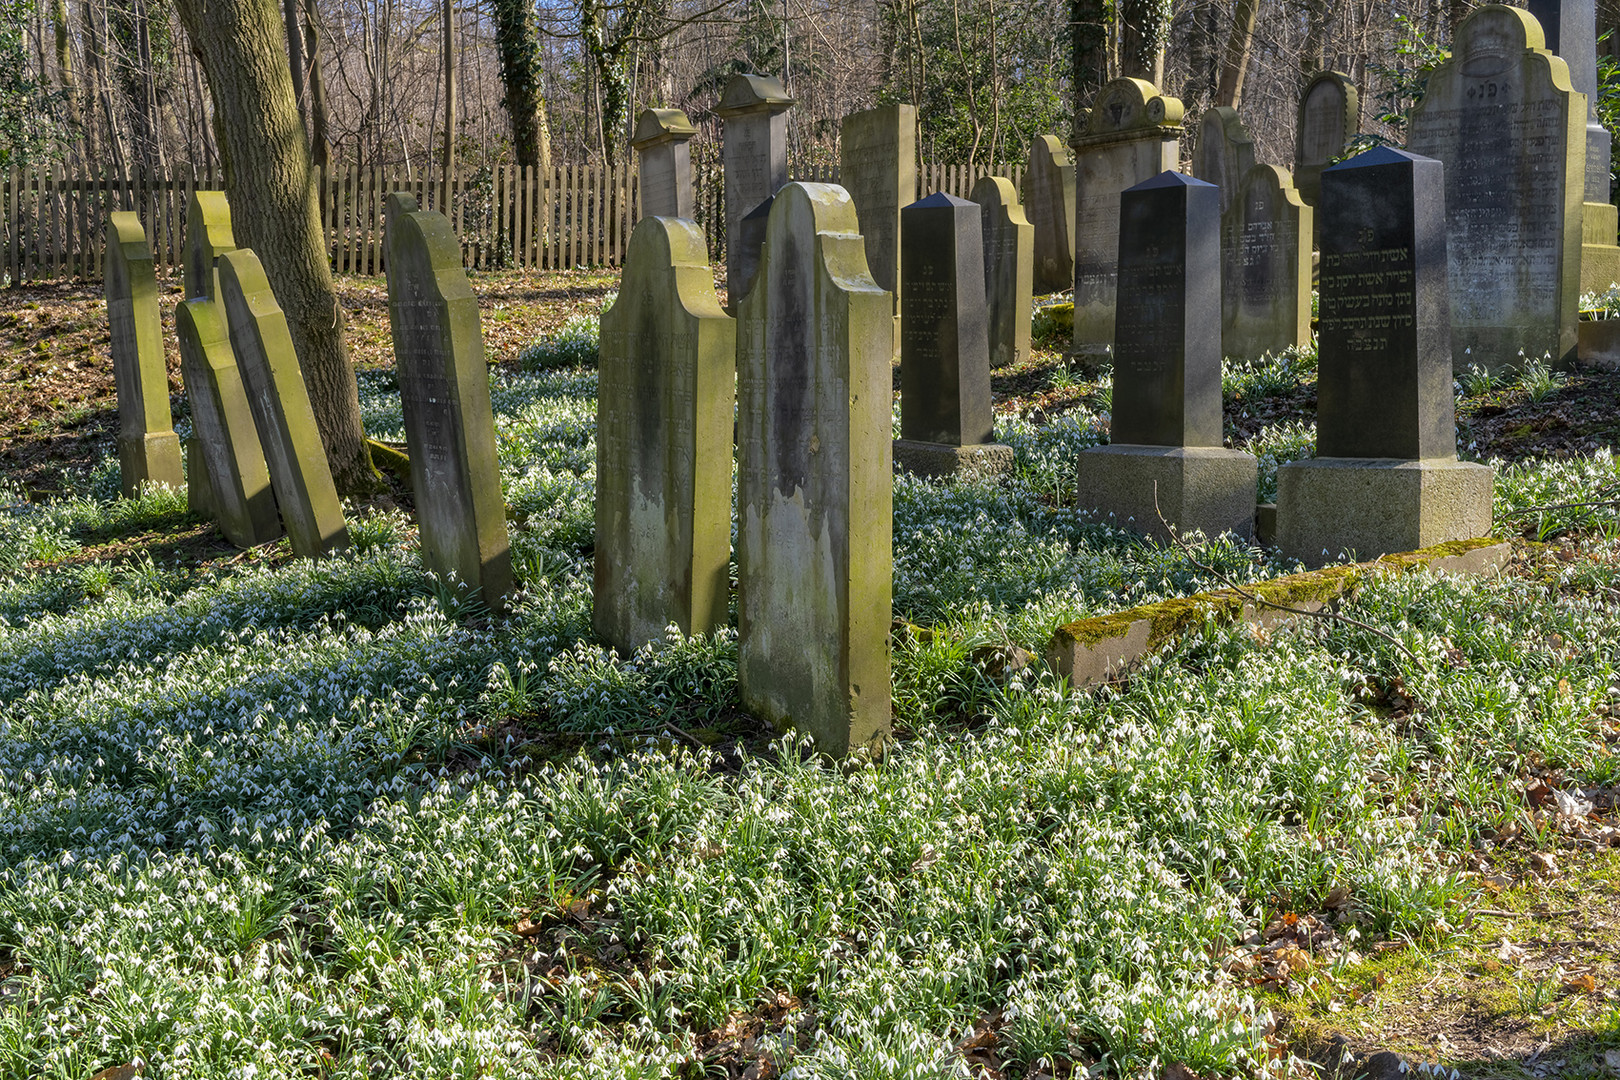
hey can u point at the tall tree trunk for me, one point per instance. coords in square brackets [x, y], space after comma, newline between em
[1313, 58]
[320, 141]
[275, 210]
[92, 83]
[1143, 31]
[1235, 59]
[295, 54]
[1088, 52]
[449, 159]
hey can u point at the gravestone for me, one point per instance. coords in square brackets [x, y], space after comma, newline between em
[814, 479]
[1225, 152]
[754, 151]
[1570, 27]
[444, 387]
[276, 394]
[1329, 118]
[199, 489]
[663, 443]
[1132, 134]
[208, 236]
[1501, 117]
[1265, 266]
[750, 242]
[665, 182]
[229, 453]
[1049, 203]
[1165, 456]
[1386, 477]
[877, 165]
[1009, 243]
[946, 426]
[148, 448]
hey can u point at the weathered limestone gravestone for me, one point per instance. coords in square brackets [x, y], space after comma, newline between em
[663, 443]
[279, 400]
[1570, 27]
[1009, 245]
[1329, 117]
[1165, 454]
[444, 387]
[1386, 477]
[666, 163]
[1502, 118]
[814, 479]
[1049, 202]
[227, 473]
[755, 155]
[1265, 266]
[877, 165]
[946, 426]
[1225, 152]
[148, 448]
[1133, 134]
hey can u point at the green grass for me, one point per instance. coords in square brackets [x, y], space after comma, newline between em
[292, 816]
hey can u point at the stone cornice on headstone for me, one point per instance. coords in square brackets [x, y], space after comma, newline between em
[1129, 109]
[753, 93]
[656, 126]
[208, 236]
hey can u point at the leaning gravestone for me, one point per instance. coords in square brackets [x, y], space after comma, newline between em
[1132, 135]
[444, 387]
[877, 165]
[1329, 117]
[665, 175]
[148, 448]
[946, 426]
[1049, 202]
[1386, 477]
[1570, 27]
[1265, 266]
[1225, 152]
[814, 479]
[1009, 243]
[1165, 457]
[282, 413]
[1511, 133]
[754, 109]
[663, 443]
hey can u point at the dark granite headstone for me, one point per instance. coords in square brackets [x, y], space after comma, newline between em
[1384, 374]
[944, 358]
[1167, 362]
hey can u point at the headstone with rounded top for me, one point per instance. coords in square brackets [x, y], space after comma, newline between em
[1265, 266]
[1386, 476]
[282, 413]
[877, 165]
[1329, 118]
[1132, 134]
[946, 424]
[1009, 244]
[664, 408]
[1164, 467]
[1048, 186]
[1502, 118]
[754, 151]
[1225, 152]
[444, 388]
[148, 448]
[814, 479]
[665, 175]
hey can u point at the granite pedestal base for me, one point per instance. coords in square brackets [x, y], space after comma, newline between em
[942, 459]
[1207, 488]
[1373, 506]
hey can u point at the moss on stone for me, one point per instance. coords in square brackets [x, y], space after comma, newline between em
[395, 462]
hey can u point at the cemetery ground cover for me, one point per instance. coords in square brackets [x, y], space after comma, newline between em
[333, 819]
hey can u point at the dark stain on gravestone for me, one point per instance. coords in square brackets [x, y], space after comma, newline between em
[787, 341]
[646, 407]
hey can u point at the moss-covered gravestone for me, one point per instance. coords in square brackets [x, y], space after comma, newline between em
[1265, 266]
[814, 483]
[1132, 134]
[754, 149]
[299, 474]
[1329, 117]
[1165, 459]
[1386, 477]
[1049, 203]
[228, 470]
[664, 408]
[1502, 118]
[665, 181]
[148, 448]
[444, 387]
[1225, 152]
[1009, 254]
[877, 165]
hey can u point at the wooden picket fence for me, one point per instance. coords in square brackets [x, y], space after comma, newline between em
[509, 217]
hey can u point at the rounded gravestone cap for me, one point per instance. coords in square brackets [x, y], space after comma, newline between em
[1126, 105]
[655, 126]
[753, 93]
